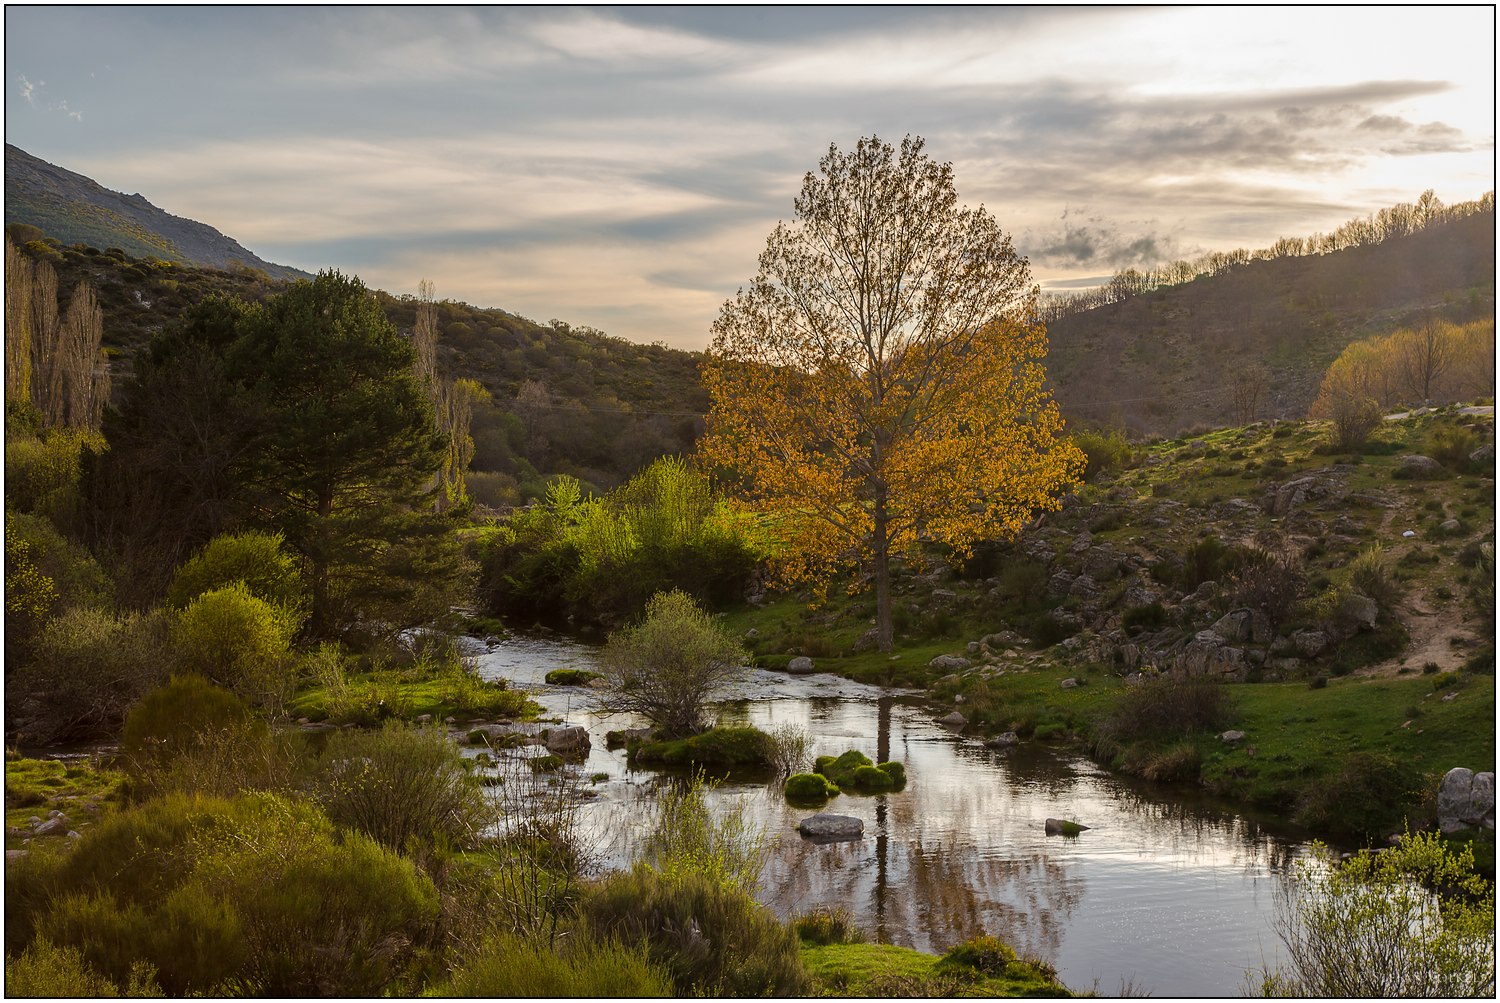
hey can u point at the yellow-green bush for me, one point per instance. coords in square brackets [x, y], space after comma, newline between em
[510, 966]
[237, 640]
[253, 558]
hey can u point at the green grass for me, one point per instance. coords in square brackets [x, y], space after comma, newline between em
[394, 693]
[875, 970]
[81, 790]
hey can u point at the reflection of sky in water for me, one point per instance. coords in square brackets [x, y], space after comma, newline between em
[1176, 896]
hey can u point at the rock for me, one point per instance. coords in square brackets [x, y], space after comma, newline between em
[620, 739]
[823, 828]
[1068, 684]
[598, 684]
[1243, 625]
[1484, 454]
[1231, 737]
[1466, 800]
[1309, 643]
[1361, 609]
[421, 719]
[1420, 468]
[752, 634]
[15, 855]
[57, 825]
[1451, 526]
[1083, 587]
[1102, 564]
[1004, 741]
[1083, 541]
[954, 720]
[949, 662]
[568, 739]
[1060, 583]
[944, 595]
[1063, 827]
[800, 666]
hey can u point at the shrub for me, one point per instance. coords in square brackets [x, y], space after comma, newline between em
[512, 967]
[238, 641]
[713, 938]
[41, 474]
[406, 787]
[1369, 575]
[253, 558]
[1141, 618]
[256, 890]
[87, 668]
[689, 838]
[809, 787]
[1368, 794]
[43, 970]
[1206, 560]
[828, 925]
[1175, 763]
[1104, 451]
[571, 677]
[1168, 707]
[985, 954]
[1270, 580]
[669, 666]
[1415, 920]
[789, 744]
[1451, 445]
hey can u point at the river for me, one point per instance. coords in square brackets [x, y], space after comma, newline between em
[1166, 893]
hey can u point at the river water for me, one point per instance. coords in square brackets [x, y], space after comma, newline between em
[1166, 893]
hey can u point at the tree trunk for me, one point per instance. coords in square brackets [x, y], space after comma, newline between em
[885, 634]
[319, 557]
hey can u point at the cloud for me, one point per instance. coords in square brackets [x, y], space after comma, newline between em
[28, 90]
[1098, 242]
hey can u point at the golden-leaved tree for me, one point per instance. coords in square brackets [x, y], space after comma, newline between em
[880, 384]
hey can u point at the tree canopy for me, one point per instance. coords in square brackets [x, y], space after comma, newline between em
[880, 384]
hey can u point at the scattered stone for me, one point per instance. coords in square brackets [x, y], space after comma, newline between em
[1063, 827]
[15, 855]
[421, 719]
[1409, 534]
[1068, 684]
[1484, 454]
[1231, 737]
[1451, 526]
[1004, 741]
[800, 666]
[824, 828]
[57, 825]
[752, 633]
[1083, 541]
[954, 720]
[949, 662]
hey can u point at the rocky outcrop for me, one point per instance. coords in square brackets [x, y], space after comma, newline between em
[1466, 800]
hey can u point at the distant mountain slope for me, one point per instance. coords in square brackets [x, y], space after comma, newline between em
[1167, 361]
[76, 210]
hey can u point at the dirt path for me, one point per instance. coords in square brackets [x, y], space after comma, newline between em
[1430, 628]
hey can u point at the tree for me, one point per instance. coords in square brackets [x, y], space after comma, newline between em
[670, 665]
[880, 383]
[348, 443]
[1347, 398]
[452, 402]
[1425, 354]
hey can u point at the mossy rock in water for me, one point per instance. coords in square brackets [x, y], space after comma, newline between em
[854, 771]
[572, 677]
[812, 787]
[718, 747]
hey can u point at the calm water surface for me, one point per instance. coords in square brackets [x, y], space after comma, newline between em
[1173, 896]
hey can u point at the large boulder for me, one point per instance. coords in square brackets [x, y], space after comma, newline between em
[954, 720]
[800, 666]
[1466, 800]
[1420, 468]
[567, 739]
[951, 663]
[823, 828]
[1309, 643]
[1243, 625]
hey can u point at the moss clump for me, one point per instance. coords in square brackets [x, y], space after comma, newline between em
[989, 955]
[545, 764]
[809, 787]
[572, 677]
[854, 771]
[745, 748]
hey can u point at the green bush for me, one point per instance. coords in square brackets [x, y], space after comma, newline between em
[811, 787]
[1370, 576]
[1363, 796]
[1414, 920]
[239, 641]
[87, 668]
[511, 967]
[1105, 451]
[828, 925]
[571, 677]
[406, 787]
[257, 891]
[1141, 618]
[689, 838]
[75, 578]
[1168, 707]
[169, 720]
[43, 970]
[871, 778]
[713, 938]
[253, 558]
[988, 955]
[1451, 445]
[42, 474]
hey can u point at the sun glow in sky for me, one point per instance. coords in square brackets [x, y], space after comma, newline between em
[623, 167]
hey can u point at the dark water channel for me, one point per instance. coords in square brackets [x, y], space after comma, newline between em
[1169, 894]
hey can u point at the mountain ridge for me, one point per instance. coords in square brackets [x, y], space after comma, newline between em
[76, 209]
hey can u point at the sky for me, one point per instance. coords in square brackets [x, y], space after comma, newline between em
[622, 167]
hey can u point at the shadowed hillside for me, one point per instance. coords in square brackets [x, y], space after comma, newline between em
[1168, 360]
[77, 210]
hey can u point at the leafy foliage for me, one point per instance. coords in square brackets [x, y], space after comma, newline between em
[239, 641]
[670, 665]
[864, 432]
[252, 557]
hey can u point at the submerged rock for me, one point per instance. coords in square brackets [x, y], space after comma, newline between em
[954, 720]
[824, 828]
